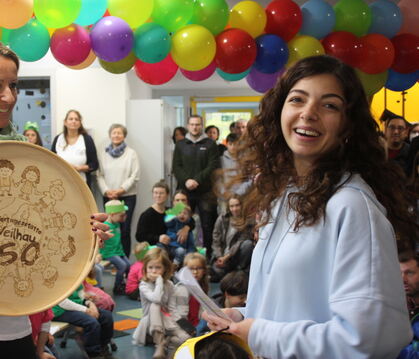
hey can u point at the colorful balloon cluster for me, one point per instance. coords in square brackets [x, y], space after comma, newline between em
[201, 37]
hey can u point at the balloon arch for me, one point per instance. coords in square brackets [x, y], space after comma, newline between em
[199, 37]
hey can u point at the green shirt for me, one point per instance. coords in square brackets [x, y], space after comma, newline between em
[75, 297]
[113, 246]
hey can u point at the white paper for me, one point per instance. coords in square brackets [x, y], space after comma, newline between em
[187, 279]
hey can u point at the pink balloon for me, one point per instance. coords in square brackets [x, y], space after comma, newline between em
[70, 45]
[200, 75]
[157, 73]
[410, 11]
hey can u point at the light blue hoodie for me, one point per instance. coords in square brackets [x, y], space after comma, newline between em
[332, 290]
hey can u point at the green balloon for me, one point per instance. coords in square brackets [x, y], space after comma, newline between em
[57, 13]
[212, 14]
[31, 41]
[172, 14]
[353, 16]
[121, 66]
[152, 43]
[232, 77]
[5, 35]
[372, 83]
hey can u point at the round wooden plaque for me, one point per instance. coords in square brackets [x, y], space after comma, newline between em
[47, 246]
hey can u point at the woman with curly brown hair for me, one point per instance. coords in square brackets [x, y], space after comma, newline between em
[324, 279]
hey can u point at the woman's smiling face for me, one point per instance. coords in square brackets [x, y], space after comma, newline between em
[8, 89]
[312, 119]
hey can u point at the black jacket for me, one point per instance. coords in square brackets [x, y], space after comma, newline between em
[196, 160]
[91, 156]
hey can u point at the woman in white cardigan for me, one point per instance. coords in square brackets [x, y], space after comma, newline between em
[118, 176]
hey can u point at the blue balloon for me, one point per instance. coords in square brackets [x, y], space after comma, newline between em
[401, 82]
[232, 77]
[91, 11]
[152, 43]
[318, 18]
[272, 53]
[387, 18]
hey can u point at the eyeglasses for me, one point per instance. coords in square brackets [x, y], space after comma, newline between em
[398, 128]
[196, 269]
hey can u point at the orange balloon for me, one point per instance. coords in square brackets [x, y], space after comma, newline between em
[86, 63]
[15, 13]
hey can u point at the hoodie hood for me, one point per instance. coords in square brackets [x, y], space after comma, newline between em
[200, 138]
[355, 181]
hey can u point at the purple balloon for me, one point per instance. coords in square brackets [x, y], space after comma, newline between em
[261, 82]
[112, 39]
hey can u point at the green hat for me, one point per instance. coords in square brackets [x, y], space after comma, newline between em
[31, 126]
[115, 208]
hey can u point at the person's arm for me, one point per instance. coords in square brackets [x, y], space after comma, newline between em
[181, 295]
[42, 341]
[103, 187]
[153, 295]
[144, 231]
[91, 154]
[217, 235]
[213, 163]
[134, 175]
[178, 166]
[171, 305]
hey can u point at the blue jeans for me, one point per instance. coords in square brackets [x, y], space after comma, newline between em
[96, 332]
[177, 253]
[130, 201]
[122, 264]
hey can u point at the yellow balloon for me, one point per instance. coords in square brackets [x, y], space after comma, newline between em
[16, 13]
[372, 83]
[193, 47]
[248, 16]
[134, 12]
[86, 63]
[302, 46]
[50, 31]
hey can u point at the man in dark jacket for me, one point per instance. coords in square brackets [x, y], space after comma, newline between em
[194, 161]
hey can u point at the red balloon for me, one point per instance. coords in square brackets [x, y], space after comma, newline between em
[71, 45]
[236, 51]
[377, 53]
[343, 45]
[158, 73]
[406, 48]
[284, 18]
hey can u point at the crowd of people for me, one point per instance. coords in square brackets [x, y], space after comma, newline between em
[300, 214]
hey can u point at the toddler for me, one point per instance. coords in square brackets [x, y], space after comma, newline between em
[158, 301]
[132, 289]
[112, 249]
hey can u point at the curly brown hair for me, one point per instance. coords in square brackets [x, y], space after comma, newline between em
[265, 157]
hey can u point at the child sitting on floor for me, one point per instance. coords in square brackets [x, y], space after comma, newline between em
[132, 289]
[233, 289]
[175, 248]
[112, 249]
[159, 307]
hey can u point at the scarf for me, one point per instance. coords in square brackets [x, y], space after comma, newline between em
[9, 133]
[117, 151]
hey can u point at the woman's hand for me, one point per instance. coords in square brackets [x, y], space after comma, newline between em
[182, 234]
[119, 192]
[100, 228]
[221, 261]
[92, 310]
[236, 325]
[111, 194]
[165, 239]
[81, 168]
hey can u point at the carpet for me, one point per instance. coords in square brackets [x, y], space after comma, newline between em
[119, 334]
[125, 324]
[133, 313]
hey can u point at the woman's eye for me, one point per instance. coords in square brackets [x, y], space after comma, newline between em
[332, 106]
[295, 99]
